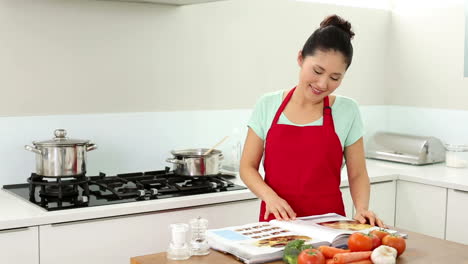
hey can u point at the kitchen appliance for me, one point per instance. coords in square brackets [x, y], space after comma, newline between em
[61, 156]
[194, 162]
[67, 192]
[404, 148]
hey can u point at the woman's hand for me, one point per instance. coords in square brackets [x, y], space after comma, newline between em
[366, 216]
[279, 207]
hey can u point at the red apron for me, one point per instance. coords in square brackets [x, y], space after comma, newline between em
[303, 165]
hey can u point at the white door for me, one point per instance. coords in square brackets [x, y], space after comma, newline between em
[115, 240]
[421, 208]
[348, 202]
[457, 216]
[382, 201]
[19, 245]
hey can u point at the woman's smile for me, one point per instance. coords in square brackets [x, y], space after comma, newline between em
[315, 90]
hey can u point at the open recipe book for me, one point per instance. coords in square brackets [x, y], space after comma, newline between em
[265, 241]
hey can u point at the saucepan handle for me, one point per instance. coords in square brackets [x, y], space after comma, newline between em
[175, 161]
[33, 149]
[91, 146]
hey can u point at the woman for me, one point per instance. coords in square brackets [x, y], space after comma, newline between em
[304, 142]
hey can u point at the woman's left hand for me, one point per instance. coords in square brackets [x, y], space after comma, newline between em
[366, 216]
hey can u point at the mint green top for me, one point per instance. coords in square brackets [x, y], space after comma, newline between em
[346, 117]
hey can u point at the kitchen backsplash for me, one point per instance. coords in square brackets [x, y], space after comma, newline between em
[451, 126]
[129, 142]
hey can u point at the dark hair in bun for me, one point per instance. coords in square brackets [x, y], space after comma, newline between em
[334, 33]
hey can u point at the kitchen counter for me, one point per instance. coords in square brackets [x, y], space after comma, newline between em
[420, 249]
[17, 212]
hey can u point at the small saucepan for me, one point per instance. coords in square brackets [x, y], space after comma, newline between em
[194, 162]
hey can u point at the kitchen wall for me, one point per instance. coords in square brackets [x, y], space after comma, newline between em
[427, 51]
[78, 56]
[142, 79]
[426, 92]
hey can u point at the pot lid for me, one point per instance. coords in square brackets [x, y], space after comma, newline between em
[60, 139]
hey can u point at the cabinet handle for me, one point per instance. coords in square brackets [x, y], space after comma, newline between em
[460, 191]
[93, 220]
[14, 230]
[379, 182]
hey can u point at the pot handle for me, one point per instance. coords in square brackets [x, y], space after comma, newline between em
[91, 146]
[33, 149]
[175, 161]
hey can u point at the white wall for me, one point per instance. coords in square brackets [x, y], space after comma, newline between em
[78, 56]
[426, 66]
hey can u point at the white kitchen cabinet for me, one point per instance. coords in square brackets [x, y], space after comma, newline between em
[348, 201]
[382, 201]
[114, 240]
[421, 208]
[19, 245]
[457, 216]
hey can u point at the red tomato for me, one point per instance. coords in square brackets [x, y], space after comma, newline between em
[396, 242]
[360, 242]
[376, 242]
[311, 256]
[380, 233]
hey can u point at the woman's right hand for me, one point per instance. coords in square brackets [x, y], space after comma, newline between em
[279, 207]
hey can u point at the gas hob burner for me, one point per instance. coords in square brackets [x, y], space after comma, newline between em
[59, 190]
[55, 191]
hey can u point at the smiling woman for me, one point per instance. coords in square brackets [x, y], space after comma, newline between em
[303, 143]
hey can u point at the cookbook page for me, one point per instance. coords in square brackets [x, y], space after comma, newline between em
[326, 227]
[255, 240]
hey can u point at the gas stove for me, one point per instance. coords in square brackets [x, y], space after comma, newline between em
[60, 193]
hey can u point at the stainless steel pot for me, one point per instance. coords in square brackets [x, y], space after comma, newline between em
[192, 162]
[61, 156]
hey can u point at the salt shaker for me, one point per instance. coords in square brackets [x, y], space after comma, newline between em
[178, 248]
[199, 244]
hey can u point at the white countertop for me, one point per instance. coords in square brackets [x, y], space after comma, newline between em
[16, 212]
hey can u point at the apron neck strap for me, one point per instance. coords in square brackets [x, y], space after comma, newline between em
[327, 113]
[282, 106]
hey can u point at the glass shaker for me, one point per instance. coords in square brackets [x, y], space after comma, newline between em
[198, 240]
[178, 248]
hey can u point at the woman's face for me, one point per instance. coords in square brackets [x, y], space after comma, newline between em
[320, 74]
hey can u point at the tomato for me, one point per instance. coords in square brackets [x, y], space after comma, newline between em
[311, 256]
[360, 242]
[380, 233]
[396, 242]
[376, 242]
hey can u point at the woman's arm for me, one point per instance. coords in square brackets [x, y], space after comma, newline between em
[249, 164]
[359, 183]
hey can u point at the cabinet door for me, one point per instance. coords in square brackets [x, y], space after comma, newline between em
[348, 202]
[382, 201]
[19, 245]
[421, 208]
[115, 240]
[457, 216]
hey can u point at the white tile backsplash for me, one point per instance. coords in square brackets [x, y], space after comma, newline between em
[129, 142]
[451, 126]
